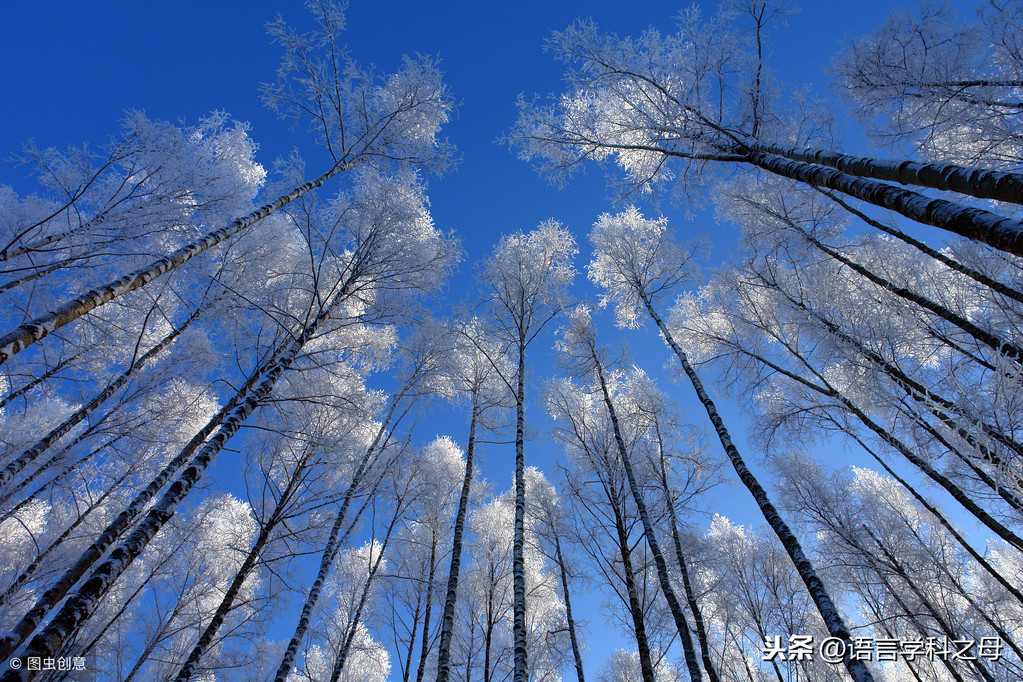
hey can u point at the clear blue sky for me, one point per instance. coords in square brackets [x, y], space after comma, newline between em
[69, 69]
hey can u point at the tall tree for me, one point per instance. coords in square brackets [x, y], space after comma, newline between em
[635, 262]
[473, 369]
[668, 108]
[361, 120]
[525, 285]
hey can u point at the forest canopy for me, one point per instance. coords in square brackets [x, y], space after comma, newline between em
[272, 420]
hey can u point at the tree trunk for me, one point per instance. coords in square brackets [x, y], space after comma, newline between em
[635, 608]
[251, 560]
[330, 550]
[518, 545]
[32, 567]
[576, 653]
[425, 648]
[37, 328]
[121, 523]
[1004, 234]
[694, 607]
[818, 592]
[982, 183]
[342, 656]
[648, 530]
[448, 618]
[951, 263]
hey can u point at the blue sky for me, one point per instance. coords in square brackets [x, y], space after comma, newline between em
[70, 69]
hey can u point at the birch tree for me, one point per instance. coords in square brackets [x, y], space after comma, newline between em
[474, 369]
[361, 118]
[368, 274]
[941, 84]
[525, 285]
[633, 266]
[668, 109]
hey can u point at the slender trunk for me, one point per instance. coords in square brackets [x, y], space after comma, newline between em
[331, 548]
[407, 669]
[925, 634]
[57, 456]
[694, 607]
[942, 622]
[635, 608]
[818, 592]
[58, 432]
[425, 648]
[648, 530]
[1004, 234]
[448, 619]
[37, 328]
[957, 493]
[576, 652]
[251, 560]
[25, 279]
[83, 604]
[880, 621]
[342, 656]
[518, 545]
[964, 593]
[917, 391]
[982, 183]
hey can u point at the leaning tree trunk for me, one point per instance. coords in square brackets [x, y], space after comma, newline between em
[55, 434]
[648, 529]
[342, 656]
[936, 513]
[251, 560]
[942, 622]
[332, 547]
[37, 328]
[37, 562]
[39, 379]
[951, 263]
[988, 339]
[983, 183]
[694, 607]
[818, 592]
[576, 652]
[955, 491]
[646, 665]
[519, 542]
[86, 600]
[448, 618]
[917, 391]
[45, 466]
[1004, 234]
[425, 648]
